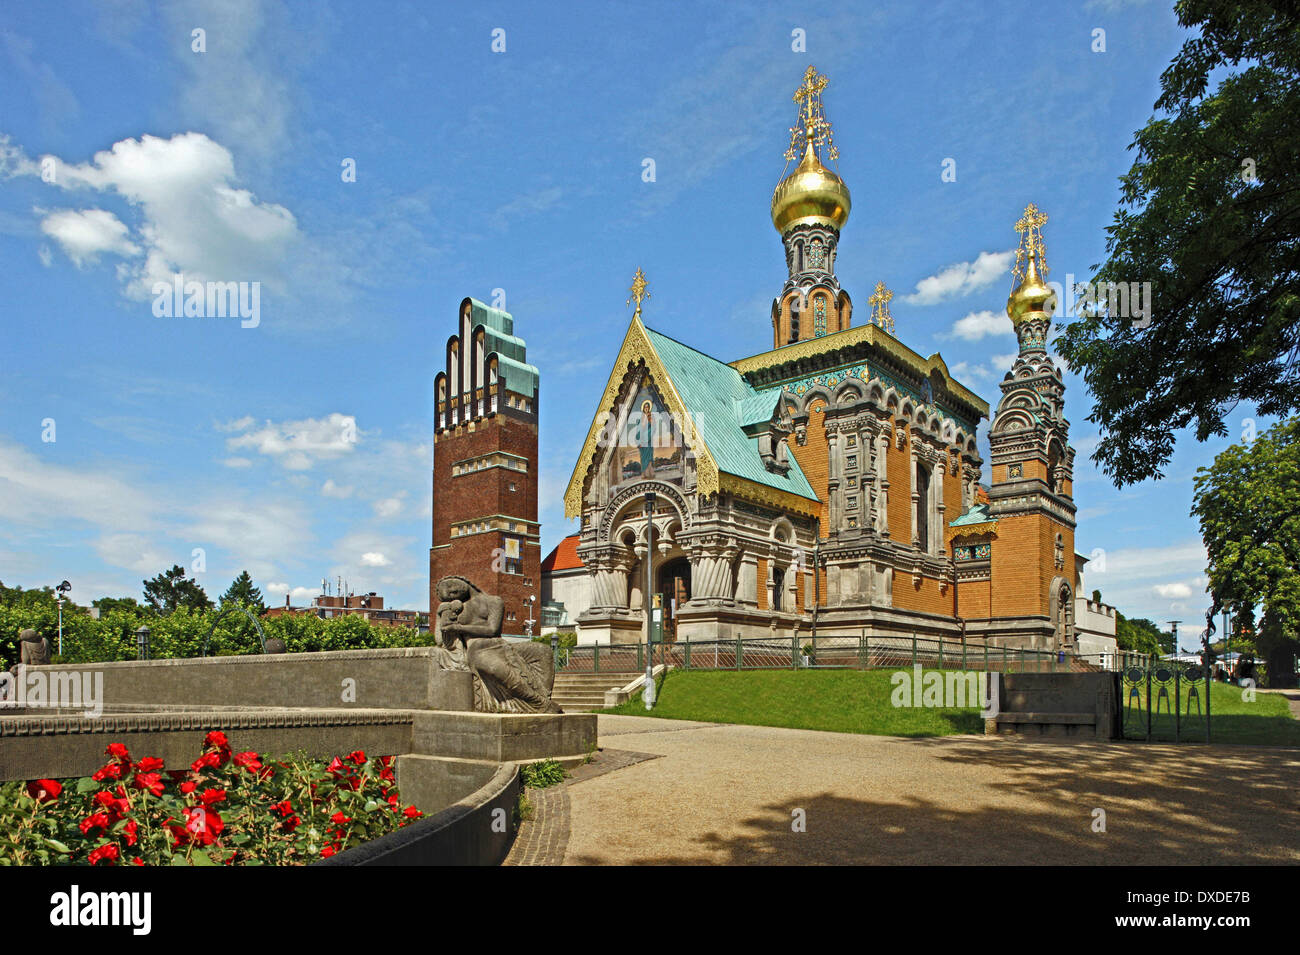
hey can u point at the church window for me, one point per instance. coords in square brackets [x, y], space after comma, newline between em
[819, 316]
[851, 461]
[922, 506]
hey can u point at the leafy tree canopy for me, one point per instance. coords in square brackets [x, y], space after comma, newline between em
[172, 589]
[241, 591]
[1140, 635]
[1248, 504]
[1210, 215]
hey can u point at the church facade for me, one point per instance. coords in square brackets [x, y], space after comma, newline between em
[832, 481]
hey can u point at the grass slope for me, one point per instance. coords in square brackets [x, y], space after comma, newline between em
[858, 701]
[1267, 720]
[842, 701]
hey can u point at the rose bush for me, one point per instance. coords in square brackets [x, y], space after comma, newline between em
[226, 808]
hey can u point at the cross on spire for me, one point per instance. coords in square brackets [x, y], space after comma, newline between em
[879, 301]
[1030, 227]
[638, 291]
[812, 127]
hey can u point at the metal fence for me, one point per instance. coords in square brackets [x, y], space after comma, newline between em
[826, 652]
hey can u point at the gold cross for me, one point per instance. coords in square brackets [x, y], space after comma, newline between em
[813, 127]
[638, 291]
[879, 302]
[1030, 226]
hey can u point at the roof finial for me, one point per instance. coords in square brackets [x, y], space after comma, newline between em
[638, 291]
[812, 131]
[1030, 226]
[879, 302]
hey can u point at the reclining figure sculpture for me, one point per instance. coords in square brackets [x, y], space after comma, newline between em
[508, 677]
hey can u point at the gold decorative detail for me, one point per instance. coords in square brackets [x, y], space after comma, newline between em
[874, 338]
[636, 349]
[812, 194]
[638, 291]
[770, 496]
[879, 302]
[812, 127]
[1030, 227]
[1030, 294]
[975, 532]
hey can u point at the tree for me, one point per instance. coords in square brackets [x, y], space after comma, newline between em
[1210, 216]
[125, 604]
[242, 592]
[1248, 503]
[172, 589]
[1140, 635]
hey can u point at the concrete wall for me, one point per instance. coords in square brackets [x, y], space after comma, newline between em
[573, 588]
[476, 830]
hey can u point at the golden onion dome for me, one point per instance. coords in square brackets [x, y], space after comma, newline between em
[812, 194]
[1030, 296]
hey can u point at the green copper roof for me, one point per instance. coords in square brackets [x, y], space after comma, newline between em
[757, 408]
[714, 392]
[512, 353]
[978, 514]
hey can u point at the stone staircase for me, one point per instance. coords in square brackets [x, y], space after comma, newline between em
[585, 692]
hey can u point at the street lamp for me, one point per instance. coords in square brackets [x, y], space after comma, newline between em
[532, 598]
[142, 642]
[63, 589]
[648, 694]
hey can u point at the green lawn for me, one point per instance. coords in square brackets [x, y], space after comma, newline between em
[858, 701]
[842, 701]
[1266, 721]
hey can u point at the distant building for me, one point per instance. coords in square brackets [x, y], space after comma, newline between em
[566, 587]
[370, 606]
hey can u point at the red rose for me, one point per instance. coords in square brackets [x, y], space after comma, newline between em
[249, 761]
[203, 825]
[335, 766]
[119, 752]
[150, 781]
[339, 819]
[393, 801]
[44, 790]
[131, 832]
[211, 796]
[357, 756]
[137, 861]
[107, 851]
[109, 771]
[96, 820]
[188, 788]
[327, 852]
[412, 813]
[150, 764]
[207, 759]
[387, 775]
[216, 738]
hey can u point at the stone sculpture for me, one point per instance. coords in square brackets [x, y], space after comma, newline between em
[34, 650]
[508, 677]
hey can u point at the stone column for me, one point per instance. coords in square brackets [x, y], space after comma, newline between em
[833, 474]
[882, 479]
[911, 480]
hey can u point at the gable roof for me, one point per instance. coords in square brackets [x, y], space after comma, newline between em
[705, 393]
[564, 556]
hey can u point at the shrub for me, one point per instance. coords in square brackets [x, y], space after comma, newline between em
[540, 775]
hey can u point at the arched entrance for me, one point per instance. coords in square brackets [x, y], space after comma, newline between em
[674, 582]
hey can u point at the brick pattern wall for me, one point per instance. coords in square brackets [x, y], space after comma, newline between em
[479, 495]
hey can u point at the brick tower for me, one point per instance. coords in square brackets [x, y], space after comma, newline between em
[1031, 497]
[485, 524]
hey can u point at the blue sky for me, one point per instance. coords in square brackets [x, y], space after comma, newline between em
[300, 448]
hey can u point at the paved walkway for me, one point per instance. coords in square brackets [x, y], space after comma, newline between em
[729, 794]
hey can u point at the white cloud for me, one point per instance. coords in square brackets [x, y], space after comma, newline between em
[330, 489]
[193, 219]
[237, 462]
[976, 325]
[136, 553]
[961, 278]
[374, 559]
[85, 234]
[994, 369]
[297, 444]
[1175, 591]
[389, 506]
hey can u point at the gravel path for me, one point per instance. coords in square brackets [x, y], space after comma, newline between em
[728, 794]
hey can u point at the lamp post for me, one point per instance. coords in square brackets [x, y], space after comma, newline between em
[531, 600]
[142, 642]
[648, 694]
[63, 588]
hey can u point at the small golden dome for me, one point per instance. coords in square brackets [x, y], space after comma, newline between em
[1031, 295]
[811, 194]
